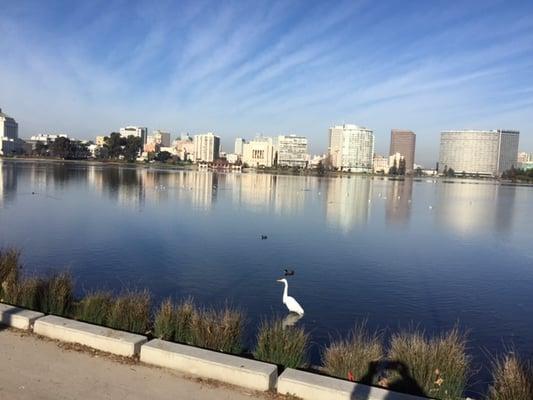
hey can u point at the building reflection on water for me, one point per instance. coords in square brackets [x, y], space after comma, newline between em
[398, 202]
[472, 208]
[348, 202]
[465, 207]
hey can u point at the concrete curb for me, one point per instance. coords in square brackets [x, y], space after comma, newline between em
[226, 368]
[16, 317]
[309, 386]
[98, 337]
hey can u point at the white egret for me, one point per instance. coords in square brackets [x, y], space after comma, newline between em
[289, 301]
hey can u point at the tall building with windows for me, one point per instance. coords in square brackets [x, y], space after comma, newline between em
[258, 152]
[159, 137]
[206, 147]
[292, 151]
[137, 131]
[478, 152]
[239, 143]
[351, 148]
[9, 133]
[403, 142]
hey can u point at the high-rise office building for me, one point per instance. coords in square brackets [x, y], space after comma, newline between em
[403, 142]
[292, 151]
[9, 129]
[351, 148]
[239, 143]
[206, 147]
[478, 152]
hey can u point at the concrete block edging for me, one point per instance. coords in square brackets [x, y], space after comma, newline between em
[17, 317]
[97, 337]
[226, 368]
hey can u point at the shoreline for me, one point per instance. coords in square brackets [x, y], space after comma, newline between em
[271, 171]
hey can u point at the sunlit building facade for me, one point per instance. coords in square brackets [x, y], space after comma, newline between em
[136, 131]
[206, 147]
[351, 148]
[404, 142]
[292, 151]
[9, 128]
[478, 152]
[258, 152]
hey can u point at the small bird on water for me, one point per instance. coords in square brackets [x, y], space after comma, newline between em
[264, 237]
[289, 272]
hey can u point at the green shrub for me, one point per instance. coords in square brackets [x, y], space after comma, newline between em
[279, 344]
[185, 313]
[350, 358]
[219, 330]
[438, 366]
[165, 321]
[512, 379]
[131, 312]
[95, 308]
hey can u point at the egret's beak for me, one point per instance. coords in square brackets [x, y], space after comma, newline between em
[279, 280]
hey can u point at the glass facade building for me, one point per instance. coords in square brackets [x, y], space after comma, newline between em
[351, 148]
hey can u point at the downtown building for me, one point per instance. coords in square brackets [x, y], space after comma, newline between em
[489, 152]
[292, 151]
[136, 131]
[351, 148]
[259, 152]
[404, 143]
[9, 135]
[206, 147]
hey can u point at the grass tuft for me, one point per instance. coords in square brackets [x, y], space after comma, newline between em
[131, 312]
[9, 271]
[26, 293]
[165, 321]
[512, 379]
[185, 313]
[351, 358]
[279, 344]
[95, 308]
[437, 367]
[57, 294]
[219, 330]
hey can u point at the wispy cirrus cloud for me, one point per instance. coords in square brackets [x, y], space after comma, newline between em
[271, 67]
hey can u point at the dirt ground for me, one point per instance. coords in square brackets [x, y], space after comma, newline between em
[37, 368]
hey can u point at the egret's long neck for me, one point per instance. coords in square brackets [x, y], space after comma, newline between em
[285, 291]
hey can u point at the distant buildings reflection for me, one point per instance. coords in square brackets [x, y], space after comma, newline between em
[466, 207]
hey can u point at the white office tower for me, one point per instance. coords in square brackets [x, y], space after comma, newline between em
[259, 152]
[206, 147]
[292, 151]
[490, 152]
[351, 148]
[9, 129]
[239, 143]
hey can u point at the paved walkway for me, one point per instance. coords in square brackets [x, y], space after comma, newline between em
[33, 368]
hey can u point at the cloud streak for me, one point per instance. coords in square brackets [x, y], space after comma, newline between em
[272, 67]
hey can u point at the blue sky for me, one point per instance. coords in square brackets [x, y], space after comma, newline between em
[247, 67]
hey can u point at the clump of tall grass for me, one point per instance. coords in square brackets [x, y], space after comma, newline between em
[57, 294]
[279, 344]
[25, 293]
[438, 366]
[218, 329]
[350, 358]
[165, 321]
[131, 312]
[185, 313]
[95, 308]
[512, 379]
[9, 270]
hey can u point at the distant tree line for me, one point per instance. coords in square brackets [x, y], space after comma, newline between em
[117, 147]
[63, 148]
[517, 174]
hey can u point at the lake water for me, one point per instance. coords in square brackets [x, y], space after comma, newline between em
[427, 252]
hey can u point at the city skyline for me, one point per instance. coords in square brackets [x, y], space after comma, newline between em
[270, 68]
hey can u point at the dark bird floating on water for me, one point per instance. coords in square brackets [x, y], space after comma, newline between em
[289, 272]
[264, 237]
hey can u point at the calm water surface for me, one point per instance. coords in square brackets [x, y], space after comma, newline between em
[432, 253]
